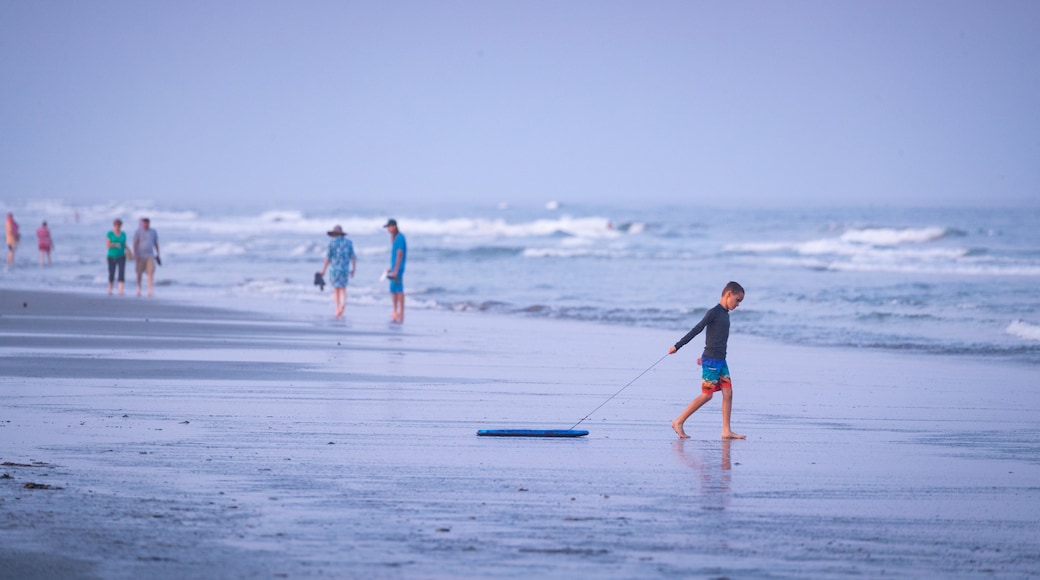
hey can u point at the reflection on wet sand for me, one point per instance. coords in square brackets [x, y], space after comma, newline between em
[713, 464]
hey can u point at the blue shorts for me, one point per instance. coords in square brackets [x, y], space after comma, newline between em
[397, 285]
[714, 375]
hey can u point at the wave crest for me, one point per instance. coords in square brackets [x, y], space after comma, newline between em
[1024, 330]
[893, 236]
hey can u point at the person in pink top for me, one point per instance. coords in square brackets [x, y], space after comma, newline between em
[43, 239]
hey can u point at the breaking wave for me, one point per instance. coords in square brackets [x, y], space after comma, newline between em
[1024, 330]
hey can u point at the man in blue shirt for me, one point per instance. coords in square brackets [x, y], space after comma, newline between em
[398, 256]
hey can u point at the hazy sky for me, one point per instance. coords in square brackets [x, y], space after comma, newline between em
[723, 102]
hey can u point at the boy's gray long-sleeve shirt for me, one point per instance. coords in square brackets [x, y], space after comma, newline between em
[716, 321]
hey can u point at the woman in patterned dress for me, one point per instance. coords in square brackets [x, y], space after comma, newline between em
[343, 261]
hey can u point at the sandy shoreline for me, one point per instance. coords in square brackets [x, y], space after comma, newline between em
[209, 443]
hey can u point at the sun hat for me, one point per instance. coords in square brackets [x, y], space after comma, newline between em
[390, 222]
[337, 232]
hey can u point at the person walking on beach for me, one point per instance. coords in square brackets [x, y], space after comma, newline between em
[343, 260]
[44, 242]
[11, 229]
[714, 371]
[118, 252]
[146, 249]
[398, 256]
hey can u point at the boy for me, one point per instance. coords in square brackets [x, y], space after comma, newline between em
[714, 372]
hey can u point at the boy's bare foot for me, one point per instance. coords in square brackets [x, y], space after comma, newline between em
[677, 427]
[732, 435]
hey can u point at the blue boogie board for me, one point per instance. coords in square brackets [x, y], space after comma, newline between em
[532, 433]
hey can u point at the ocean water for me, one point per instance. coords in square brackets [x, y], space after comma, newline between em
[942, 281]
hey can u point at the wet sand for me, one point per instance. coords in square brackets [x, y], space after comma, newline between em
[168, 440]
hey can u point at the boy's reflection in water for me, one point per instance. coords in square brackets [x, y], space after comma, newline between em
[712, 464]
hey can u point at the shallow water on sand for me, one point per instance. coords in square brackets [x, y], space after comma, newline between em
[303, 449]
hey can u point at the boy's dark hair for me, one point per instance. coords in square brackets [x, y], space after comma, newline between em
[734, 288]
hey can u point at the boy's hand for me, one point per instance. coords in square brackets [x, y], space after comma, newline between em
[698, 361]
[671, 350]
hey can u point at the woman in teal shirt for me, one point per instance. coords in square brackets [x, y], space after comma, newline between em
[118, 252]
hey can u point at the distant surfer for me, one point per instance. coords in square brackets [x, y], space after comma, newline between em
[398, 257]
[344, 261]
[714, 371]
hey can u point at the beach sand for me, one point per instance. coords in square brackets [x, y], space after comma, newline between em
[170, 440]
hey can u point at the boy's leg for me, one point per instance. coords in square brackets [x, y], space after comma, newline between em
[677, 423]
[726, 386]
[709, 384]
[727, 412]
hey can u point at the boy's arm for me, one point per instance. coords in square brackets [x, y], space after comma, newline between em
[693, 332]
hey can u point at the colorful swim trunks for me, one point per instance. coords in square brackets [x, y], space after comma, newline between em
[714, 375]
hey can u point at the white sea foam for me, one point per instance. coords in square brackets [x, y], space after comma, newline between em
[58, 212]
[591, 227]
[892, 236]
[963, 269]
[1024, 330]
[281, 216]
[758, 247]
[852, 242]
[570, 253]
[202, 249]
[467, 228]
[295, 221]
[881, 250]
